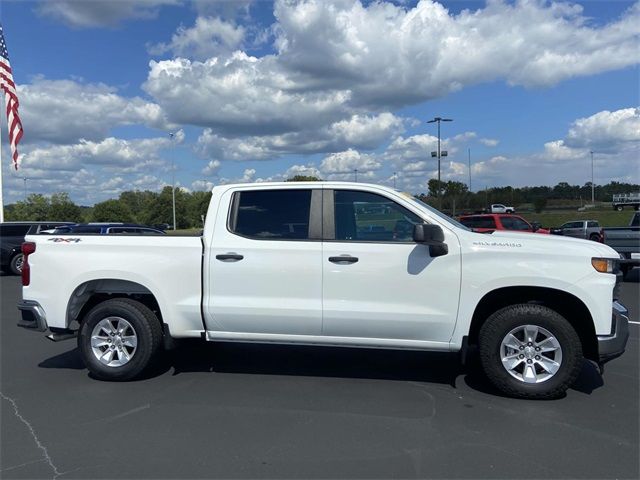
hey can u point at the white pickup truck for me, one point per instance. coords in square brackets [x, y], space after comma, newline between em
[322, 263]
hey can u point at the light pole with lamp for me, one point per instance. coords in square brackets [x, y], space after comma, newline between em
[173, 185]
[439, 153]
[25, 188]
[592, 184]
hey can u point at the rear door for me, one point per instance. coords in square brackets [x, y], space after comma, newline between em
[378, 283]
[265, 263]
[573, 229]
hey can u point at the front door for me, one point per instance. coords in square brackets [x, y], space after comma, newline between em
[265, 263]
[378, 283]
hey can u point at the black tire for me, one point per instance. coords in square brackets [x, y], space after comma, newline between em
[496, 328]
[146, 326]
[16, 264]
[594, 237]
[509, 211]
[619, 208]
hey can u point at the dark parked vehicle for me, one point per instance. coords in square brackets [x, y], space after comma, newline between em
[625, 241]
[11, 237]
[107, 229]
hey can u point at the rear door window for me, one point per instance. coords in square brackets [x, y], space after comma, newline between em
[14, 230]
[271, 214]
[479, 222]
[515, 223]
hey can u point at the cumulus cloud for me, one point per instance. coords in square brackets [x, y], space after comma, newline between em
[605, 131]
[347, 162]
[209, 37]
[64, 111]
[100, 13]
[108, 152]
[212, 168]
[489, 142]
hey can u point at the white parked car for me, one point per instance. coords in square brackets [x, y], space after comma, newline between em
[499, 208]
[308, 263]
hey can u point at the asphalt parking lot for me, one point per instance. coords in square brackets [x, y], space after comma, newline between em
[249, 411]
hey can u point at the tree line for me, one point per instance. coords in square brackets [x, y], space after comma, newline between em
[155, 208]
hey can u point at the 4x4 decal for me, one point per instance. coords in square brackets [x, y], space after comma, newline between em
[64, 240]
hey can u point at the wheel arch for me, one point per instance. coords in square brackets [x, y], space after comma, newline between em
[90, 293]
[566, 304]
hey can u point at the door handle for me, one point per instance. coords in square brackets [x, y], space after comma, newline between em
[343, 259]
[229, 257]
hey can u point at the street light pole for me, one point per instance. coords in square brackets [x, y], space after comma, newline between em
[438, 120]
[394, 180]
[592, 184]
[469, 150]
[355, 170]
[173, 186]
[25, 188]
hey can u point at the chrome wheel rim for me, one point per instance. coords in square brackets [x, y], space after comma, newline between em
[531, 354]
[114, 341]
[19, 262]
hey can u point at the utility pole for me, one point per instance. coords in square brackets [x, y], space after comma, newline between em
[25, 188]
[173, 185]
[394, 180]
[439, 155]
[355, 171]
[593, 187]
[469, 150]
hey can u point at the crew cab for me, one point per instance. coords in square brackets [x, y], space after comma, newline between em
[309, 263]
[587, 229]
[489, 222]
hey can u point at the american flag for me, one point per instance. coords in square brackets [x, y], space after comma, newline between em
[11, 100]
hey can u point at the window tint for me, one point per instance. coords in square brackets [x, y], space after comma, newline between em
[86, 230]
[514, 223]
[572, 225]
[273, 214]
[478, 222]
[592, 224]
[363, 216]
[13, 230]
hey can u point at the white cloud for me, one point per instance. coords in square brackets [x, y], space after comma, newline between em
[101, 13]
[202, 185]
[109, 152]
[605, 130]
[345, 163]
[212, 168]
[358, 131]
[209, 37]
[489, 142]
[64, 111]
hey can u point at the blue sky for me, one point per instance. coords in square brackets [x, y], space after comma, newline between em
[261, 91]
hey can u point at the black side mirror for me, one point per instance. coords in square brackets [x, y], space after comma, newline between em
[536, 226]
[433, 236]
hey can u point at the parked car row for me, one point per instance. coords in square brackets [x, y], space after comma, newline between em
[12, 236]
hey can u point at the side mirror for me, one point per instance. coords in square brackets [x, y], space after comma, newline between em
[433, 236]
[536, 226]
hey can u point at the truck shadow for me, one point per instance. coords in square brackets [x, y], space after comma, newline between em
[255, 359]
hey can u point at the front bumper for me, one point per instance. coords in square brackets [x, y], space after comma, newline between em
[613, 345]
[33, 317]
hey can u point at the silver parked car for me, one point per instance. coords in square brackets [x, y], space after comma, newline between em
[587, 229]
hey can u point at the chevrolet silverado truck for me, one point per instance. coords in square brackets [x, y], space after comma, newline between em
[341, 264]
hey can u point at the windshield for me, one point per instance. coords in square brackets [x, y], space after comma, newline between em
[438, 213]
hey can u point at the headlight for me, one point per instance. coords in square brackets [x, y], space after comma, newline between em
[603, 265]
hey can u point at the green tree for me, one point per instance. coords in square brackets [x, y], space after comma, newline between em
[139, 203]
[433, 187]
[539, 203]
[304, 178]
[161, 211]
[36, 208]
[62, 209]
[453, 191]
[112, 211]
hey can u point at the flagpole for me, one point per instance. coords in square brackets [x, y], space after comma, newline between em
[1, 184]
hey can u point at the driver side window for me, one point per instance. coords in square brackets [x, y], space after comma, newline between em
[368, 217]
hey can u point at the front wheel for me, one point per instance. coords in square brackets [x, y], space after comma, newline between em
[119, 338]
[530, 351]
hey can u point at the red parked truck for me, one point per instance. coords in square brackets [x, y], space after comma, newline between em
[489, 222]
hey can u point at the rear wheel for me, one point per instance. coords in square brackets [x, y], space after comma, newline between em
[595, 237]
[119, 339]
[619, 208]
[16, 264]
[530, 351]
